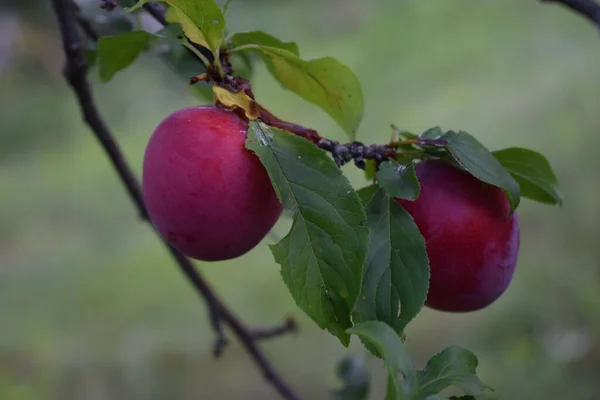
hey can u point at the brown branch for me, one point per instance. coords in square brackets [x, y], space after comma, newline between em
[287, 327]
[108, 5]
[86, 26]
[75, 74]
[157, 11]
[586, 8]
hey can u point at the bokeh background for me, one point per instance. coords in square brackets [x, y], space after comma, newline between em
[91, 305]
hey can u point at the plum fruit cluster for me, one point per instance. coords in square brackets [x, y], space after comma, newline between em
[212, 199]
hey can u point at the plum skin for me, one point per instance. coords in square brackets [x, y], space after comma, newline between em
[206, 194]
[471, 239]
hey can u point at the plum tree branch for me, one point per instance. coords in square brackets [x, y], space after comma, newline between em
[75, 72]
[157, 11]
[586, 8]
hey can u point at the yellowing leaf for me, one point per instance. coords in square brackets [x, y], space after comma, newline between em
[171, 15]
[237, 100]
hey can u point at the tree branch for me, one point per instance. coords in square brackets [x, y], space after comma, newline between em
[288, 326]
[586, 8]
[157, 11]
[75, 74]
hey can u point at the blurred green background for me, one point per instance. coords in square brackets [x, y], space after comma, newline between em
[91, 305]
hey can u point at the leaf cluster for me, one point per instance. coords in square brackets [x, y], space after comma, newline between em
[353, 261]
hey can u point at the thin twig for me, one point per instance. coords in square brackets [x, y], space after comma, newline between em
[108, 5]
[288, 327]
[586, 8]
[75, 74]
[86, 26]
[157, 11]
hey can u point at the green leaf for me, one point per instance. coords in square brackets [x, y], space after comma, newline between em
[353, 372]
[171, 33]
[394, 389]
[402, 134]
[396, 268]
[390, 346]
[471, 155]
[399, 180]
[322, 256]
[201, 20]
[367, 193]
[172, 16]
[533, 173]
[370, 169]
[183, 62]
[324, 82]
[116, 53]
[186, 65]
[454, 366]
[263, 39]
[432, 133]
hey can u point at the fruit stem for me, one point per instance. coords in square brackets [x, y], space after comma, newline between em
[243, 47]
[191, 48]
[219, 67]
